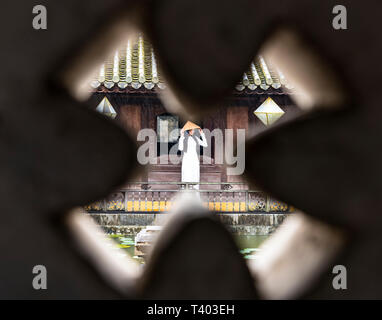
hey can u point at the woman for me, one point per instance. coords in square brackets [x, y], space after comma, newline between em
[188, 144]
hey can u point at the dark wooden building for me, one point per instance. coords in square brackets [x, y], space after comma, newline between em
[130, 80]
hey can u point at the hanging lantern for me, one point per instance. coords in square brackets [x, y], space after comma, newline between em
[106, 108]
[269, 112]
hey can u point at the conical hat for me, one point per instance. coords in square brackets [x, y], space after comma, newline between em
[190, 125]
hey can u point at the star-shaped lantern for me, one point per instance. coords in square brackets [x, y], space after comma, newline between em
[106, 108]
[269, 112]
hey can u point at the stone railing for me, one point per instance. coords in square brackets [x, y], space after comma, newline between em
[222, 197]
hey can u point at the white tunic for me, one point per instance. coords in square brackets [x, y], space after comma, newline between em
[190, 161]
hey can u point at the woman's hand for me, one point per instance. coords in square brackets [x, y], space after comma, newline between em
[182, 133]
[200, 130]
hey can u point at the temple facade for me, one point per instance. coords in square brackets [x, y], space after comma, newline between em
[126, 88]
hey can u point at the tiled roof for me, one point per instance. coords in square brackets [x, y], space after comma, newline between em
[134, 66]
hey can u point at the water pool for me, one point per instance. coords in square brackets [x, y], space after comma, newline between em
[248, 245]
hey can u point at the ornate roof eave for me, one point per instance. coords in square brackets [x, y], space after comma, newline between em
[236, 93]
[135, 67]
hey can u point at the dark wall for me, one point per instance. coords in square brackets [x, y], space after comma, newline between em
[151, 107]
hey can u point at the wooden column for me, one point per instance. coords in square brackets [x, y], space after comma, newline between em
[237, 118]
[130, 118]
